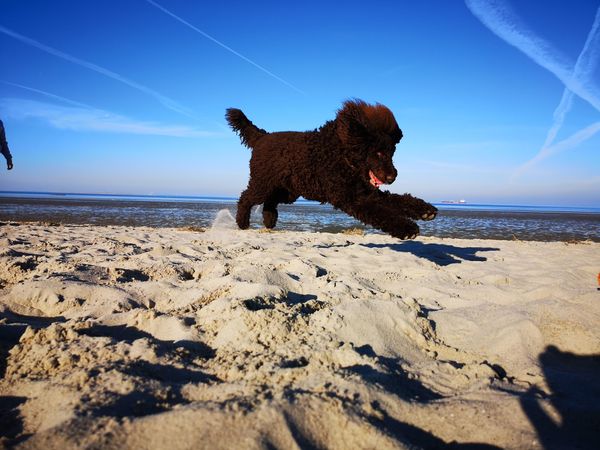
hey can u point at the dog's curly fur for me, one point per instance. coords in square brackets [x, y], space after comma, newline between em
[342, 163]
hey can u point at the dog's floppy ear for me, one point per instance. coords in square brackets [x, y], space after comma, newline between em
[351, 123]
[358, 121]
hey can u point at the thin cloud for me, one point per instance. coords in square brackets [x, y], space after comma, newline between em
[165, 101]
[219, 43]
[78, 118]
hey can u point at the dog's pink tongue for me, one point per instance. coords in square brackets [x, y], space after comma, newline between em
[374, 180]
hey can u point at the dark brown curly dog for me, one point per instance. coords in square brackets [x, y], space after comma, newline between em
[342, 163]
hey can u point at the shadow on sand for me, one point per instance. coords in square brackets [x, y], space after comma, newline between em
[11, 422]
[393, 379]
[574, 382]
[145, 401]
[440, 254]
[415, 437]
[12, 328]
[129, 334]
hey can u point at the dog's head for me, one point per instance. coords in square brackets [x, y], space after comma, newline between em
[369, 134]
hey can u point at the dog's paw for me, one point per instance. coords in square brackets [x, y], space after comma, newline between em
[419, 209]
[409, 237]
[427, 211]
[429, 215]
[409, 231]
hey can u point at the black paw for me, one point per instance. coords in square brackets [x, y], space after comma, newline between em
[425, 211]
[270, 219]
[409, 237]
[410, 231]
[421, 210]
[243, 223]
[429, 215]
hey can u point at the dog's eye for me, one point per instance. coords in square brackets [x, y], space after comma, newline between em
[379, 155]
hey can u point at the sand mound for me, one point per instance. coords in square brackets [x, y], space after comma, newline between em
[116, 337]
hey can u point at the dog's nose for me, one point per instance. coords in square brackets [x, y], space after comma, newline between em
[390, 179]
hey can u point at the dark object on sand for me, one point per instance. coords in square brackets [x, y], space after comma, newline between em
[4, 147]
[342, 163]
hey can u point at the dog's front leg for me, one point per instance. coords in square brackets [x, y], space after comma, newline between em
[409, 206]
[382, 215]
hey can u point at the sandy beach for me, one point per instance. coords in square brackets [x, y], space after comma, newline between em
[143, 338]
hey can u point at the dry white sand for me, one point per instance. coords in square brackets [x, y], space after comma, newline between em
[116, 337]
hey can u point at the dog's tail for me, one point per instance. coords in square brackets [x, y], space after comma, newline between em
[248, 132]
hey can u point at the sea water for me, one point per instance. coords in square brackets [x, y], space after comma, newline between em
[542, 223]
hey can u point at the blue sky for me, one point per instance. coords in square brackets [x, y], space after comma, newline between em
[499, 101]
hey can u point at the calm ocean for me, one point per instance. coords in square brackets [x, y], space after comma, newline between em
[463, 221]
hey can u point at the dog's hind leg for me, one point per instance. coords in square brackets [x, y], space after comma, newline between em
[244, 207]
[270, 213]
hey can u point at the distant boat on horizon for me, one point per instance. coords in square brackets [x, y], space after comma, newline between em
[455, 202]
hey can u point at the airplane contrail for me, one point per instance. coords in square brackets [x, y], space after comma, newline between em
[47, 94]
[500, 20]
[586, 64]
[219, 43]
[559, 116]
[165, 101]
[566, 144]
